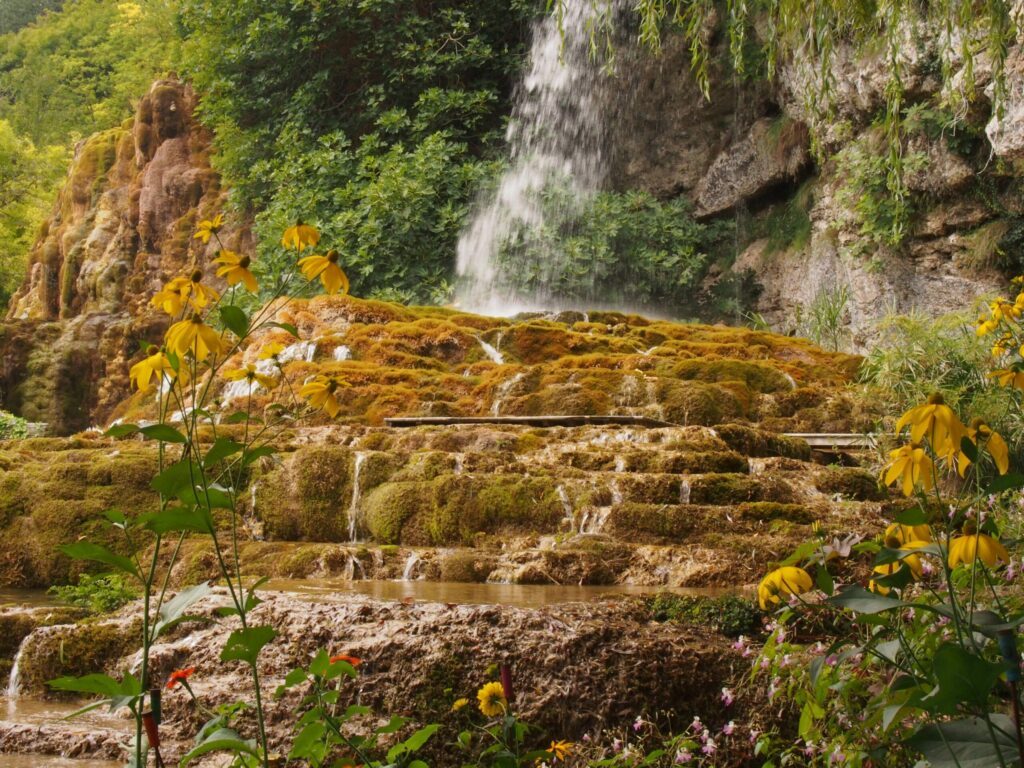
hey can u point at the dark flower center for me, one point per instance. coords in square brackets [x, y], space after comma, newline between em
[936, 399]
[244, 262]
[152, 349]
[332, 256]
[197, 276]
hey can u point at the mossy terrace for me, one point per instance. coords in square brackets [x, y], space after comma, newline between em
[423, 361]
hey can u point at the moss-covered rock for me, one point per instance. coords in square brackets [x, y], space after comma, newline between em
[466, 565]
[756, 442]
[852, 482]
[75, 650]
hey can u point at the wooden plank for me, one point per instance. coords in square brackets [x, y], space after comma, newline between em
[533, 421]
[834, 439]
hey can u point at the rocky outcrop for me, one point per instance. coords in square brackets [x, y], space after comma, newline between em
[121, 225]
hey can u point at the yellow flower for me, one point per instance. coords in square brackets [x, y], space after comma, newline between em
[912, 467]
[171, 299]
[194, 336]
[155, 364]
[936, 421]
[991, 442]
[199, 295]
[250, 374]
[561, 749]
[1007, 377]
[207, 227]
[1004, 310]
[321, 394]
[964, 549]
[327, 269]
[300, 236]
[903, 534]
[271, 351]
[459, 704]
[985, 327]
[912, 560]
[784, 581]
[235, 269]
[492, 700]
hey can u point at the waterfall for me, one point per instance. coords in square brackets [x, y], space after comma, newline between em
[556, 138]
[566, 507]
[492, 352]
[353, 509]
[342, 353]
[410, 566]
[684, 491]
[14, 681]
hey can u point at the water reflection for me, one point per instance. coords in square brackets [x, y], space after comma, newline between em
[31, 711]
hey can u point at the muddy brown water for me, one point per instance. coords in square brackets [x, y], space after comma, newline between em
[518, 595]
[33, 711]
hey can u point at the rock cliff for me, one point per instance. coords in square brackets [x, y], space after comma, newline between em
[121, 225]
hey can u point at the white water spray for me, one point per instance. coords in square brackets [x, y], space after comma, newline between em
[353, 509]
[556, 139]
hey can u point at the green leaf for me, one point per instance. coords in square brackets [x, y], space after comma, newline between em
[1008, 482]
[912, 516]
[172, 612]
[966, 743]
[220, 450]
[413, 744]
[238, 417]
[285, 327]
[235, 320]
[86, 550]
[856, 598]
[308, 738]
[969, 449]
[164, 433]
[175, 480]
[97, 684]
[396, 723]
[963, 678]
[246, 644]
[121, 430]
[258, 453]
[190, 518]
[221, 740]
[824, 580]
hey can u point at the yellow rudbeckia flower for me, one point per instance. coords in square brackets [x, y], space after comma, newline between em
[207, 227]
[193, 335]
[459, 704]
[912, 559]
[904, 534]
[321, 394]
[171, 298]
[156, 364]
[782, 582]
[967, 548]
[300, 236]
[985, 438]
[492, 700]
[911, 465]
[936, 421]
[271, 351]
[235, 269]
[327, 269]
[199, 295]
[561, 749]
[1005, 310]
[250, 374]
[1008, 377]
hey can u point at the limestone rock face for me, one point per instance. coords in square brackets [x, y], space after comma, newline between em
[120, 227]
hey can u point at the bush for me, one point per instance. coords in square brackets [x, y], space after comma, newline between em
[100, 594]
[12, 427]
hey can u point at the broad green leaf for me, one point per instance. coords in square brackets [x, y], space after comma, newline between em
[824, 580]
[221, 740]
[173, 613]
[246, 644]
[238, 417]
[285, 327]
[1008, 482]
[175, 480]
[413, 744]
[165, 433]
[235, 320]
[257, 453]
[966, 743]
[220, 450]
[86, 550]
[395, 724]
[856, 598]
[188, 518]
[912, 516]
[97, 684]
[308, 738]
[121, 430]
[969, 449]
[963, 678]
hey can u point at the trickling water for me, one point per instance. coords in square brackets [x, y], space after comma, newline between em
[353, 509]
[566, 507]
[300, 350]
[492, 352]
[502, 392]
[616, 492]
[684, 491]
[14, 681]
[410, 566]
[342, 353]
[556, 137]
[620, 466]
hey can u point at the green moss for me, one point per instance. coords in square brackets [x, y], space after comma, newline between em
[698, 403]
[731, 615]
[465, 505]
[661, 522]
[852, 482]
[772, 510]
[387, 509]
[728, 489]
[466, 566]
[755, 442]
[76, 650]
[308, 499]
[759, 377]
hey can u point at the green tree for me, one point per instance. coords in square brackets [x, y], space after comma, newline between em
[15, 14]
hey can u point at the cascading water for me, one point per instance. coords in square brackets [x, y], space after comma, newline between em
[557, 162]
[14, 681]
[353, 510]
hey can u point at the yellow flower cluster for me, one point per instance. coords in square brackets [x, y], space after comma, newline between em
[187, 298]
[934, 423]
[492, 701]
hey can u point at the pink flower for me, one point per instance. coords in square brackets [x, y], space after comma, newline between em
[728, 728]
[616, 744]
[638, 723]
[754, 733]
[809, 749]
[727, 697]
[709, 747]
[683, 756]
